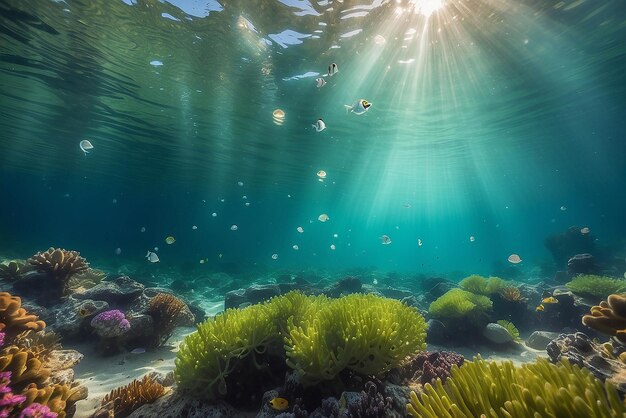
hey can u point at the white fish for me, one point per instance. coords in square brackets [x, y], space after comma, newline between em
[300, 229]
[319, 125]
[320, 82]
[385, 240]
[563, 208]
[152, 257]
[375, 282]
[85, 145]
[323, 217]
[295, 247]
[321, 174]
[214, 214]
[234, 228]
[332, 247]
[335, 236]
[472, 239]
[247, 203]
[585, 230]
[139, 350]
[419, 242]
[143, 229]
[359, 107]
[240, 183]
[194, 227]
[156, 248]
[274, 256]
[333, 69]
[118, 251]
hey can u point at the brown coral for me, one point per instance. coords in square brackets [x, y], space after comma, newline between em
[512, 294]
[14, 319]
[166, 311]
[609, 317]
[59, 264]
[122, 401]
[13, 270]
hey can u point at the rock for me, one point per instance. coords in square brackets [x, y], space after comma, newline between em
[539, 340]
[345, 286]
[73, 316]
[411, 300]
[400, 396]
[436, 332]
[579, 349]
[435, 287]
[253, 294]
[174, 405]
[38, 286]
[141, 331]
[571, 242]
[497, 334]
[390, 292]
[561, 277]
[179, 285]
[118, 292]
[61, 363]
[266, 410]
[581, 264]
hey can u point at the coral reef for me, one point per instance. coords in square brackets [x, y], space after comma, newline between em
[429, 366]
[483, 286]
[122, 401]
[457, 303]
[598, 287]
[481, 388]
[366, 334]
[60, 265]
[13, 270]
[371, 403]
[30, 364]
[599, 359]
[84, 280]
[166, 311]
[14, 319]
[609, 318]
[110, 324]
[512, 294]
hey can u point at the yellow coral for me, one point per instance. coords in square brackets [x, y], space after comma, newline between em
[540, 389]
[482, 286]
[457, 303]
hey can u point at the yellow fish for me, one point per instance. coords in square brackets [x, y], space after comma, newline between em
[550, 299]
[539, 308]
[170, 240]
[279, 404]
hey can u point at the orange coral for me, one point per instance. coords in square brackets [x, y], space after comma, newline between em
[124, 400]
[166, 310]
[609, 317]
[14, 319]
[512, 294]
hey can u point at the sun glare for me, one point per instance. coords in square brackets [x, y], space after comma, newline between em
[426, 7]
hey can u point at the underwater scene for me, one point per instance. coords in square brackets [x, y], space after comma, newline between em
[312, 208]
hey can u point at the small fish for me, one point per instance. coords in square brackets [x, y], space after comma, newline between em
[85, 145]
[194, 227]
[143, 229]
[247, 203]
[407, 205]
[295, 247]
[385, 239]
[332, 69]
[320, 82]
[563, 208]
[514, 259]
[359, 107]
[279, 404]
[323, 217]
[156, 248]
[585, 231]
[335, 235]
[472, 239]
[234, 227]
[419, 242]
[138, 350]
[152, 257]
[540, 308]
[375, 282]
[319, 125]
[202, 261]
[170, 240]
[332, 247]
[550, 299]
[274, 256]
[321, 174]
[118, 251]
[220, 255]
[240, 183]
[214, 214]
[300, 229]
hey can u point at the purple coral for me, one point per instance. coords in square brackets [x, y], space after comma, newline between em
[371, 404]
[428, 366]
[36, 410]
[109, 324]
[8, 400]
[2, 336]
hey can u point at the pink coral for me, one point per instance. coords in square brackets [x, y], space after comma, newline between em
[37, 410]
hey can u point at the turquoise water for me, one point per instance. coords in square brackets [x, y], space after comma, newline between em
[498, 120]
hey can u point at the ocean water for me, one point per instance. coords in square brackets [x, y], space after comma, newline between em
[498, 120]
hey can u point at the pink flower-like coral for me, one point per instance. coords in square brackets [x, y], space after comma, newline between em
[36, 410]
[8, 400]
[109, 324]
